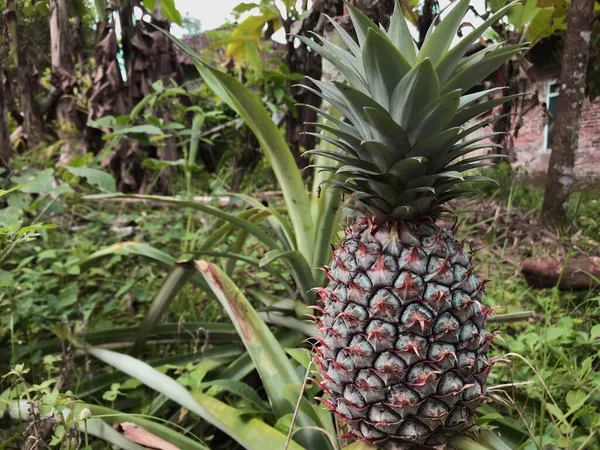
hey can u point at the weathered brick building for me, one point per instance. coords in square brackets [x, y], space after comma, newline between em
[533, 144]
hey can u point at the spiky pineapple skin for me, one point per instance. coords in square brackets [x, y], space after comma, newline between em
[402, 345]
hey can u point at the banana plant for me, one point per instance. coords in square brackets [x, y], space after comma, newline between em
[298, 235]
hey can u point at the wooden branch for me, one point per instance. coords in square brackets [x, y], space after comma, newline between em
[578, 274]
[218, 128]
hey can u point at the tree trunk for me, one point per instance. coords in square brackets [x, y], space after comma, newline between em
[300, 60]
[33, 124]
[246, 159]
[126, 21]
[572, 79]
[64, 79]
[106, 95]
[163, 66]
[5, 145]
[10, 102]
[426, 19]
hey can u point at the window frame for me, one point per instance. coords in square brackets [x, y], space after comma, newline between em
[549, 95]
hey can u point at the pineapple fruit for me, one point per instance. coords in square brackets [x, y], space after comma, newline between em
[403, 345]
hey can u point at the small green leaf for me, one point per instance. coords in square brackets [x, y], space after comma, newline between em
[36, 182]
[147, 129]
[170, 11]
[67, 296]
[95, 177]
[301, 355]
[595, 332]
[149, 4]
[554, 333]
[576, 399]
[6, 278]
[555, 411]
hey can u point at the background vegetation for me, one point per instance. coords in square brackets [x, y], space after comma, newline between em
[158, 238]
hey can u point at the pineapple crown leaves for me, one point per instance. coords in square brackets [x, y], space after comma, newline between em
[407, 111]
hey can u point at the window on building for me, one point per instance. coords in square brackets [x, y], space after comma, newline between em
[550, 115]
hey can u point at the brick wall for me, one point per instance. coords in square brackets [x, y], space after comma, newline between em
[529, 144]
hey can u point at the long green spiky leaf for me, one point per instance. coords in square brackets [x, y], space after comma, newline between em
[244, 224]
[112, 417]
[386, 130]
[348, 58]
[357, 102]
[472, 75]
[438, 42]
[343, 126]
[167, 293]
[302, 273]
[252, 434]
[449, 61]
[400, 35]
[492, 157]
[465, 100]
[384, 67]
[224, 353]
[434, 117]
[329, 93]
[341, 60]
[338, 132]
[269, 358]
[226, 229]
[434, 145]
[337, 143]
[468, 131]
[274, 215]
[362, 24]
[419, 87]
[469, 112]
[343, 159]
[349, 41]
[326, 213]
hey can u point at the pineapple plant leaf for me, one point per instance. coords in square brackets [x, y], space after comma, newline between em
[402, 343]
[419, 87]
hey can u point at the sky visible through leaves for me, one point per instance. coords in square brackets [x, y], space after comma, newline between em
[213, 13]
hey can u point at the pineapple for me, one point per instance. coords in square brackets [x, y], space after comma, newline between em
[402, 344]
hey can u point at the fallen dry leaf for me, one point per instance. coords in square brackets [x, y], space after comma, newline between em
[141, 436]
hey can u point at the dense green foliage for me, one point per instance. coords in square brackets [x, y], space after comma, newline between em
[49, 289]
[186, 314]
